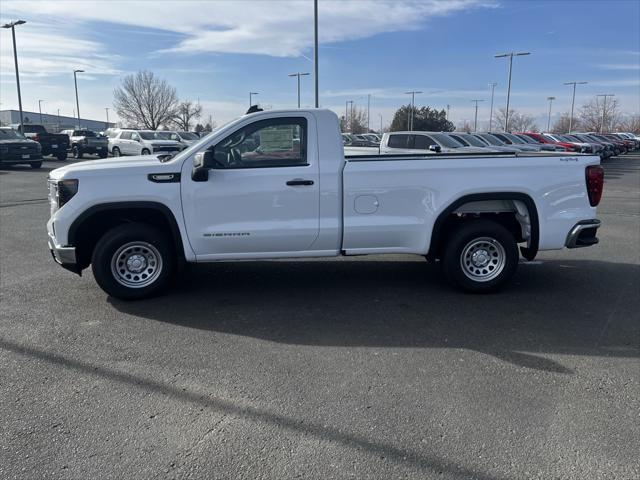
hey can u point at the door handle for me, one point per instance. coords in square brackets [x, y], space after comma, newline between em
[299, 181]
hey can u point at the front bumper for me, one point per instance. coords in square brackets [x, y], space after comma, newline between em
[583, 234]
[64, 256]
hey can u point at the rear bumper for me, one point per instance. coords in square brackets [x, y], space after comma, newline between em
[583, 234]
[64, 256]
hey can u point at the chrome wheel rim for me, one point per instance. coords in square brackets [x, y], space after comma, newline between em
[136, 264]
[483, 259]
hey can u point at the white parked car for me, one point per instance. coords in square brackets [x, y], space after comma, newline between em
[140, 142]
[276, 184]
[416, 141]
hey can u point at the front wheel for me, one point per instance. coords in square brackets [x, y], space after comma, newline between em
[480, 256]
[36, 165]
[133, 261]
[77, 153]
[62, 156]
[115, 152]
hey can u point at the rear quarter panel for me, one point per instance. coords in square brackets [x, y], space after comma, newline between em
[391, 205]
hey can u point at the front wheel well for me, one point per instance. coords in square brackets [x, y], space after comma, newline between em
[90, 227]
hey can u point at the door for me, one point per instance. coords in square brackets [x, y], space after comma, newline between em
[135, 144]
[124, 143]
[263, 197]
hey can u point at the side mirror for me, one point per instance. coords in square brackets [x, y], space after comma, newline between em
[435, 148]
[202, 163]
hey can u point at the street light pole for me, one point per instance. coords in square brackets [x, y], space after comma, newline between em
[604, 108]
[58, 120]
[75, 81]
[510, 55]
[298, 75]
[493, 88]
[251, 94]
[346, 114]
[12, 26]
[551, 99]
[573, 100]
[412, 113]
[106, 109]
[368, 111]
[40, 109]
[475, 121]
[380, 123]
[315, 50]
[448, 106]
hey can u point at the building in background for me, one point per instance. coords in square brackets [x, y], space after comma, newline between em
[53, 123]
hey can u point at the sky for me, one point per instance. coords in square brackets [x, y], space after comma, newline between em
[217, 51]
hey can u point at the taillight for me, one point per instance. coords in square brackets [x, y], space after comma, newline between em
[595, 183]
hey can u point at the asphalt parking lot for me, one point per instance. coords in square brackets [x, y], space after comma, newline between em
[348, 368]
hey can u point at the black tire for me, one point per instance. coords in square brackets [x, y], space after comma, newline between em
[127, 243]
[104, 154]
[77, 153]
[61, 156]
[35, 165]
[497, 256]
[145, 151]
[116, 152]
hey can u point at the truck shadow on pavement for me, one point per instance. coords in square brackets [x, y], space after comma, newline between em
[551, 308]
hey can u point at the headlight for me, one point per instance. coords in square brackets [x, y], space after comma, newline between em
[60, 192]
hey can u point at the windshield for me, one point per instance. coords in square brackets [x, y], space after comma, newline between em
[151, 135]
[446, 140]
[84, 133]
[471, 140]
[188, 136]
[514, 138]
[8, 133]
[491, 139]
[526, 139]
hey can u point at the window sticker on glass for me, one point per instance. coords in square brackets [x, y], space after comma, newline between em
[276, 139]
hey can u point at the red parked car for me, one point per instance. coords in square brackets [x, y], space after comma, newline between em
[569, 147]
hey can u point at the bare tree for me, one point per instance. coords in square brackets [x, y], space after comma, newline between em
[630, 123]
[356, 122]
[143, 100]
[464, 126]
[518, 122]
[185, 113]
[591, 114]
[562, 124]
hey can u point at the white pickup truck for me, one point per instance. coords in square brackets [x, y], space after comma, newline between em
[277, 184]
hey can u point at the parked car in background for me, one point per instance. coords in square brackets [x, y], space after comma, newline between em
[425, 142]
[470, 140]
[186, 139]
[87, 141]
[15, 148]
[55, 144]
[140, 142]
[511, 139]
[357, 140]
[578, 145]
[628, 144]
[546, 147]
[539, 137]
[609, 145]
[629, 136]
[494, 141]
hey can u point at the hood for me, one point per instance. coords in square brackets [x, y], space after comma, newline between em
[18, 141]
[108, 165]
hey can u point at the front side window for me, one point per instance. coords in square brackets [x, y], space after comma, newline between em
[399, 141]
[423, 142]
[278, 142]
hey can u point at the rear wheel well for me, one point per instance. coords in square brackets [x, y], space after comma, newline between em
[85, 233]
[514, 211]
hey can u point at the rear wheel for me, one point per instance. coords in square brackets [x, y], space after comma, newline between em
[61, 156]
[116, 152]
[35, 165]
[133, 261]
[480, 256]
[103, 154]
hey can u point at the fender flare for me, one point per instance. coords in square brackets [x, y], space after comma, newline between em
[176, 236]
[528, 252]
